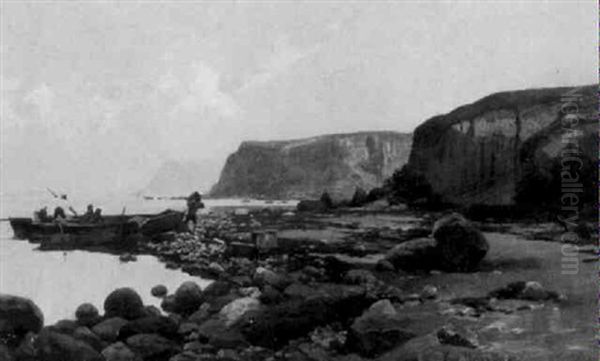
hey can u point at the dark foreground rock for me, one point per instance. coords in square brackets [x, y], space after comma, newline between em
[461, 245]
[125, 303]
[54, 346]
[18, 316]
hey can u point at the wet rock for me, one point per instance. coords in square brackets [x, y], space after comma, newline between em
[241, 249]
[84, 334]
[152, 347]
[52, 346]
[532, 291]
[416, 254]
[151, 311]
[26, 350]
[5, 353]
[127, 257]
[233, 311]
[216, 333]
[119, 352]
[18, 316]
[253, 292]
[461, 245]
[160, 325]
[384, 265]
[328, 338]
[201, 315]
[168, 303]
[265, 276]
[378, 329]
[216, 289]
[87, 315]
[429, 292]
[159, 291]
[449, 335]
[188, 297]
[359, 277]
[64, 326]
[124, 303]
[270, 295]
[272, 327]
[108, 330]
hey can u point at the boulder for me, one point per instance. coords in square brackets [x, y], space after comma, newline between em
[360, 277]
[168, 303]
[53, 346]
[216, 289]
[108, 329]
[84, 334]
[264, 276]
[65, 326]
[152, 347]
[449, 335]
[461, 245]
[272, 327]
[522, 290]
[159, 291]
[18, 316]
[87, 315]
[160, 325]
[270, 295]
[124, 303]
[119, 352]
[188, 297]
[216, 333]
[378, 329]
[233, 311]
[416, 254]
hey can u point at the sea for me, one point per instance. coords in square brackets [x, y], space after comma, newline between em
[59, 281]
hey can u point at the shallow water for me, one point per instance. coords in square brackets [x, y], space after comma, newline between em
[60, 281]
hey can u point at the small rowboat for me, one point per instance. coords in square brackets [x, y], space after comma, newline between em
[111, 229]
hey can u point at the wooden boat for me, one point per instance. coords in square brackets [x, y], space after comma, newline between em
[111, 229]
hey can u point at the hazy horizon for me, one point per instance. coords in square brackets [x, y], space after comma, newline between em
[97, 96]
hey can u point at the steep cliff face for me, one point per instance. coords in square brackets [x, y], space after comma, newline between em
[483, 152]
[305, 168]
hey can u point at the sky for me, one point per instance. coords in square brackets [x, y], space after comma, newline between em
[96, 95]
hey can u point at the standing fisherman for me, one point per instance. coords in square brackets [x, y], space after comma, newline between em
[194, 203]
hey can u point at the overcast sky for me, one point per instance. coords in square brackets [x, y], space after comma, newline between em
[96, 95]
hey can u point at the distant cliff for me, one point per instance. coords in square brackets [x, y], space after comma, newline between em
[507, 147]
[305, 168]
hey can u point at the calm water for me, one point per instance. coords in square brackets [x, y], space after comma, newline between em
[60, 281]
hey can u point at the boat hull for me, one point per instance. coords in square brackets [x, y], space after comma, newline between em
[120, 230]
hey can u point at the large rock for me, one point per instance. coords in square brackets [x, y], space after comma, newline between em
[416, 254]
[274, 326]
[55, 346]
[87, 315]
[461, 246]
[152, 347]
[84, 334]
[18, 316]
[108, 329]
[188, 297]
[233, 311]
[216, 333]
[119, 352]
[159, 291]
[163, 326]
[378, 329]
[124, 303]
[264, 276]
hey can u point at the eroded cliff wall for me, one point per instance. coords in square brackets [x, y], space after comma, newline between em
[305, 168]
[480, 153]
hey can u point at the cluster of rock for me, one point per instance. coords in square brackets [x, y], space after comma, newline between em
[455, 245]
[273, 317]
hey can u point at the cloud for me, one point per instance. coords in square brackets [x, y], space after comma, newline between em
[201, 96]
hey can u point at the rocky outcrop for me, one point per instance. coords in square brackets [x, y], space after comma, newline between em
[505, 144]
[305, 168]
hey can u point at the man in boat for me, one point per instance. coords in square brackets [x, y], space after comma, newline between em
[41, 215]
[59, 214]
[89, 214]
[97, 216]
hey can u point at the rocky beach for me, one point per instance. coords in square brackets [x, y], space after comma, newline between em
[348, 284]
